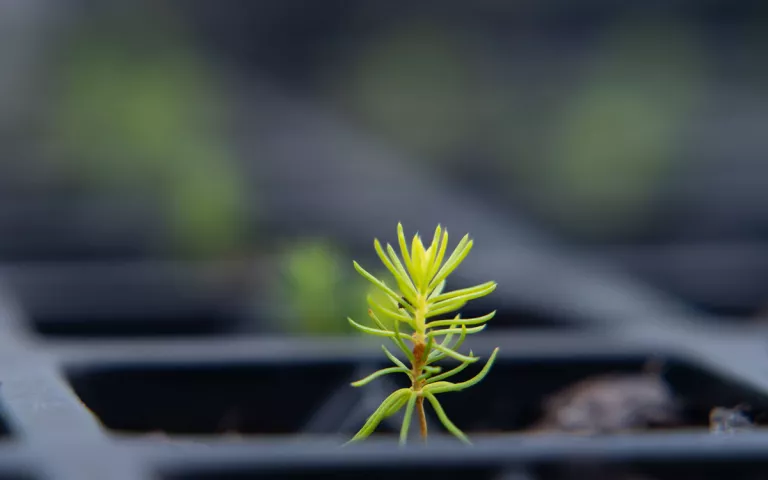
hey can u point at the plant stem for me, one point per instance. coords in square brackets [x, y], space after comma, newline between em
[419, 360]
[422, 418]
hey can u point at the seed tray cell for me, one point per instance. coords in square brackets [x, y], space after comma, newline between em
[279, 408]
[185, 404]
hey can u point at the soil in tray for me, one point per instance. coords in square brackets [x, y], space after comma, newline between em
[380, 472]
[690, 470]
[214, 399]
[595, 396]
[672, 470]
[289, 398]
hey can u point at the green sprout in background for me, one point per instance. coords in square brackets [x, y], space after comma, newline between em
[418, 298]
[313, 289]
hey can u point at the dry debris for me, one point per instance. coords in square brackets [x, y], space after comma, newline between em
[729, 420]
[611, 403]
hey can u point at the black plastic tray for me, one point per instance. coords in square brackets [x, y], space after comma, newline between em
[239, 406]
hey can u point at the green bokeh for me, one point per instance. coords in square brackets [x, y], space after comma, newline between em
[318, 289]
[618, 138]
[139, 120]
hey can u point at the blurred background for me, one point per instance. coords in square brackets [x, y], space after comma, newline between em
[213, 167]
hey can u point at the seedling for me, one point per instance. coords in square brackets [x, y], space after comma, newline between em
[416, 303]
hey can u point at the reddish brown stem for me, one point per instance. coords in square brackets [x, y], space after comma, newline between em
[422, 417]
[418, 366]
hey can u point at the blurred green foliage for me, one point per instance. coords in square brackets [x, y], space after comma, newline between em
[588, 146]
[618, 138]
[316, 291]
[139, 117]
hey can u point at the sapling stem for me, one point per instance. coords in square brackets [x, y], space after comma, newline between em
[422, 417]
[420, 278]
[418, 380]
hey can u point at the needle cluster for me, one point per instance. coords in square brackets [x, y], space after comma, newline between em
[413, 307]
